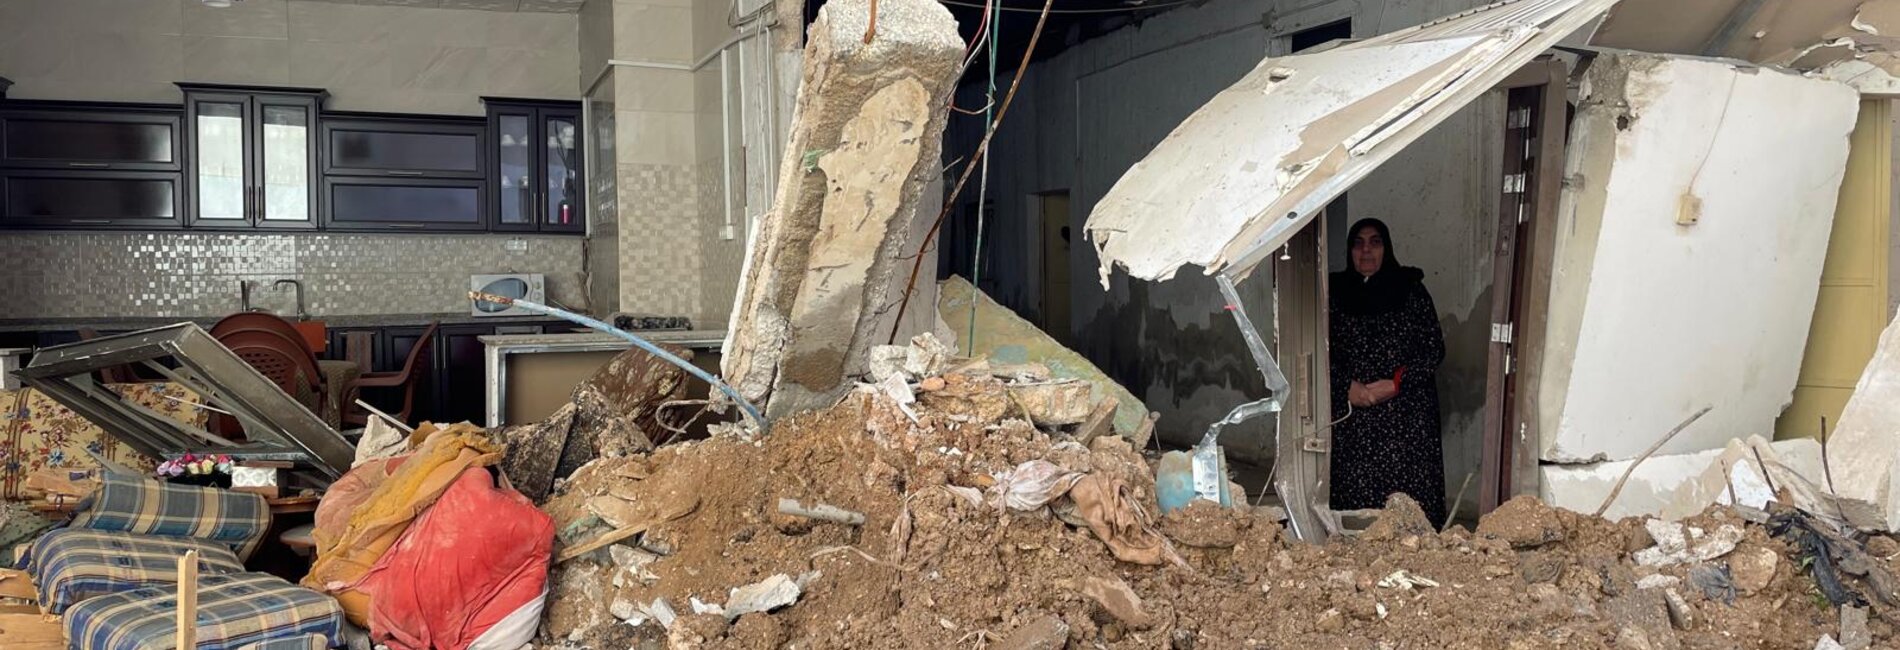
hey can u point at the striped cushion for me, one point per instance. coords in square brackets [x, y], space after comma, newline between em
[136, 504]
[234, 611]
[305, 642]
[73, 564]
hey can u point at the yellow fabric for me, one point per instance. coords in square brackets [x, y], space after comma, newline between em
[344, 557]
[42, 434]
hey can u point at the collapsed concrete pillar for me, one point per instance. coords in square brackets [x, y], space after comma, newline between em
[866, 133]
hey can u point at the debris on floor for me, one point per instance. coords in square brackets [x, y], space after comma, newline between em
[964, 523]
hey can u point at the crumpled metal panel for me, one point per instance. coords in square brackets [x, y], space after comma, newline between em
[1242, 174]
[278, 427]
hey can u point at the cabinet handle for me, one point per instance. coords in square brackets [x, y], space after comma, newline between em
[81, 165]
[92, 222]
[408, 225]
[404, 172]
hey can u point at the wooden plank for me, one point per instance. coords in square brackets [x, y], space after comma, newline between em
[188, 601]
[31, 630]
[601, 542]
[17, 584]
[1541, 247]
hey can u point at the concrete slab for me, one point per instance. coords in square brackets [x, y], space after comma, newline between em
[1865, 445]
[867, 130]
[1678, 485]
[1697, 204]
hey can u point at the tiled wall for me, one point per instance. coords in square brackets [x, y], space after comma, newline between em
[370, 58]
[660, 241]
[105, 275]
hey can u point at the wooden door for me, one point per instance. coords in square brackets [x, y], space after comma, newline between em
[1851, 310]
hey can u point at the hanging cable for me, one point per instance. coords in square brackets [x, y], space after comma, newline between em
[917, 261]
[983, 183]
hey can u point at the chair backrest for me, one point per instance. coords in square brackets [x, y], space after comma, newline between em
[421, 348]
[254, 320]
[286, 362]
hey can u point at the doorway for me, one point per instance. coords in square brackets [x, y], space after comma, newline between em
[1535, 119]
[1057, 238]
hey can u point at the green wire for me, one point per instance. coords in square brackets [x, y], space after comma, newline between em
[983, 184]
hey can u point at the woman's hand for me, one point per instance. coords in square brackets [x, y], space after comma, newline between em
[1382, 391]
[1359, 395]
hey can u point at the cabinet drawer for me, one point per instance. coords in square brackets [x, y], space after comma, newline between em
[403, 204]
[402, 148]
[83, 140]
[90, 199]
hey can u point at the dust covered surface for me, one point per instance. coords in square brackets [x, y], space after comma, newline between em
[930, 568]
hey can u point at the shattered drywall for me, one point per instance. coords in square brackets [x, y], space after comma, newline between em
[866, 136]
[1694, 221]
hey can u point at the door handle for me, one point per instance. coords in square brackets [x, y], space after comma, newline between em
[81, 165]
[406, 172]
[92, 222]
[408, 225]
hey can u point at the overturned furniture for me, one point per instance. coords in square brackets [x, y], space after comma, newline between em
[276, 427]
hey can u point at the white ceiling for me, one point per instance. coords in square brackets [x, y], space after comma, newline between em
[540, 6]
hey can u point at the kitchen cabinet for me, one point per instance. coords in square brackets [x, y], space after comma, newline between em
[253, 157]
[537, 178]
[408, 174]
[78, 138]
[80, 166]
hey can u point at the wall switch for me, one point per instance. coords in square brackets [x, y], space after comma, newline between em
[516, 245]
[728, 233]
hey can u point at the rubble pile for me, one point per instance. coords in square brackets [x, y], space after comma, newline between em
[954, 521]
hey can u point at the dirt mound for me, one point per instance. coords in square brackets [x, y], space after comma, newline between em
[939, 563]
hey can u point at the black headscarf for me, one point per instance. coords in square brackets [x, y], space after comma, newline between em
[1386, 290]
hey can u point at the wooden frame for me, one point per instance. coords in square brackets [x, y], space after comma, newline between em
[1303, 442]
[1526, 244]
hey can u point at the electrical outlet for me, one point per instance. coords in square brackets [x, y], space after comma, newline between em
[516, 245]
[728, 233]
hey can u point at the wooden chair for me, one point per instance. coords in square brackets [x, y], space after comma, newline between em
[404, 379]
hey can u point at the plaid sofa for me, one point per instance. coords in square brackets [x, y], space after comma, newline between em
[234, 611]
[71, 565]
[134, 504]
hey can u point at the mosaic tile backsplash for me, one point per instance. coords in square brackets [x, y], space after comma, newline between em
[106, 275]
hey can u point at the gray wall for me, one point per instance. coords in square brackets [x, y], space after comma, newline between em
[1084, 116]
[371, 58]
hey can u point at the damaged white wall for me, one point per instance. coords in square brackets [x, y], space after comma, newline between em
[1693, 226]
[1084, 116]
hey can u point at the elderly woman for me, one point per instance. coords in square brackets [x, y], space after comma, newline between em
[1386, 347]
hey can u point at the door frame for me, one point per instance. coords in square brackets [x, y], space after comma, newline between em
[1525, 247]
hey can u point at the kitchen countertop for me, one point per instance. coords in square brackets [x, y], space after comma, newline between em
[330, 322]
[556, 342]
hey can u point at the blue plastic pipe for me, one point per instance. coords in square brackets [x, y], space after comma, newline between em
[750, 410]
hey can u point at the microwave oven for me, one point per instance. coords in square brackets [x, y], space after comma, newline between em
[522, 286]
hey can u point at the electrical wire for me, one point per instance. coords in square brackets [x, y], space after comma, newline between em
[917, 262]
[1116, 10]
[983, 183]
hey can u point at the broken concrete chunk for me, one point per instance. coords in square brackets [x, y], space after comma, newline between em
[1119, 600]
[1680, 614]
[825, 253]
[1045, 633]
[1827, 642]
[1008, 339]
[623, 610]
[1657, 581]
[1752, 568]
[886, 361]
[763, 596]
[1522, 522]
[1855, 634]
[1679, 544]
[1054, 403]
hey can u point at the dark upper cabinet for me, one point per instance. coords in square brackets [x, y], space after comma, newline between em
[68, 165]
[91, 139]
[87, 199]
[404, 148]
[253, 157]
[536, 179]
[405, 174]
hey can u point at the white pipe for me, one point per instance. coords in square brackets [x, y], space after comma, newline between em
[725, 140]
[745, 137]
[696, 65]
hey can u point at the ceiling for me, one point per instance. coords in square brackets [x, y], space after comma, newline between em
[536, 6]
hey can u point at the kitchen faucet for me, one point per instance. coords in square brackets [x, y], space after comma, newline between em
[299, 285]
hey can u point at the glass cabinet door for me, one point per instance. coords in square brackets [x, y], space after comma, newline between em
[285, 161]
[514, 137]
[219, 187]
[563, 194]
